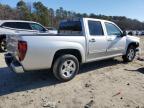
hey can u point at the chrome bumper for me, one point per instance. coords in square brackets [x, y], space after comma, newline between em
[13, 64]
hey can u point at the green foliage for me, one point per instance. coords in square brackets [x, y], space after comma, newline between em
[23, 11]
[42, 13]
[49, 17]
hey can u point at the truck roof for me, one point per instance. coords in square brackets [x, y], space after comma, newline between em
[97, 19]
[2, 21]
[85, 18]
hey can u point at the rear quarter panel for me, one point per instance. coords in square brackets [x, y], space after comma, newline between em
[41, 49]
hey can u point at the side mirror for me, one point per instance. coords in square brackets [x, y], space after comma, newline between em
[124, 34]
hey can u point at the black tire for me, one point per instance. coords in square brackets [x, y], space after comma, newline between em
[3, 45]
[62, 69]
[129, 57]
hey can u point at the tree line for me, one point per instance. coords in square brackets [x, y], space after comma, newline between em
[38, 12]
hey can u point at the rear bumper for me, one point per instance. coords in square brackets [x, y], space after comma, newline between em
[13, 64]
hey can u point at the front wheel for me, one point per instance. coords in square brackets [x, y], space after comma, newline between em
[66, 67]
[130, 54]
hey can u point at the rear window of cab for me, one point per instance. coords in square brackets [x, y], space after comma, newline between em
[71, 26]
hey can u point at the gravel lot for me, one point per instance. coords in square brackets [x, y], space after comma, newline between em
[102, 84]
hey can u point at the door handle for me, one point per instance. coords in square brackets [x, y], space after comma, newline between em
[92, 40]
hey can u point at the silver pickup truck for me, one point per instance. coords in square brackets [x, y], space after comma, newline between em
[78, 41]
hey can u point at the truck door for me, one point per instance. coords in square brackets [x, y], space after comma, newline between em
[116, 42]
[97, 42]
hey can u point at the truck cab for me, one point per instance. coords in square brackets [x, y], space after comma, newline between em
[104, 39]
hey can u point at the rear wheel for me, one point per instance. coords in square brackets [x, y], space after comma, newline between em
[130, 54]
[66, 67]
[3, 45]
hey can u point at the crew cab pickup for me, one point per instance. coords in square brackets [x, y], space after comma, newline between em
[78, 41]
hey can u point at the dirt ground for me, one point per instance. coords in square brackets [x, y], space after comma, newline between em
[103, 84]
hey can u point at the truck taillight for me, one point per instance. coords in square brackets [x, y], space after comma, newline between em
[22, 49]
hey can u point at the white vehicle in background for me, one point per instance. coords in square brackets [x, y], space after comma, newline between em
[18, 27]
[78, 41]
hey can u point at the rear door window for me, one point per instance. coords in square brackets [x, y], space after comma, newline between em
[95, 28]
[21, 25]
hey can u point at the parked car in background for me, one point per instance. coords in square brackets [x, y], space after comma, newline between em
[78, 41]
[134, 32]
[52, 30]
[18, 26]
[142, 33]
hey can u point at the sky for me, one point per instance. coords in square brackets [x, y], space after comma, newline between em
[130, 8]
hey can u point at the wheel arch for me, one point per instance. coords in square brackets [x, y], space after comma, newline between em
[74, 52]
[135, 44]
